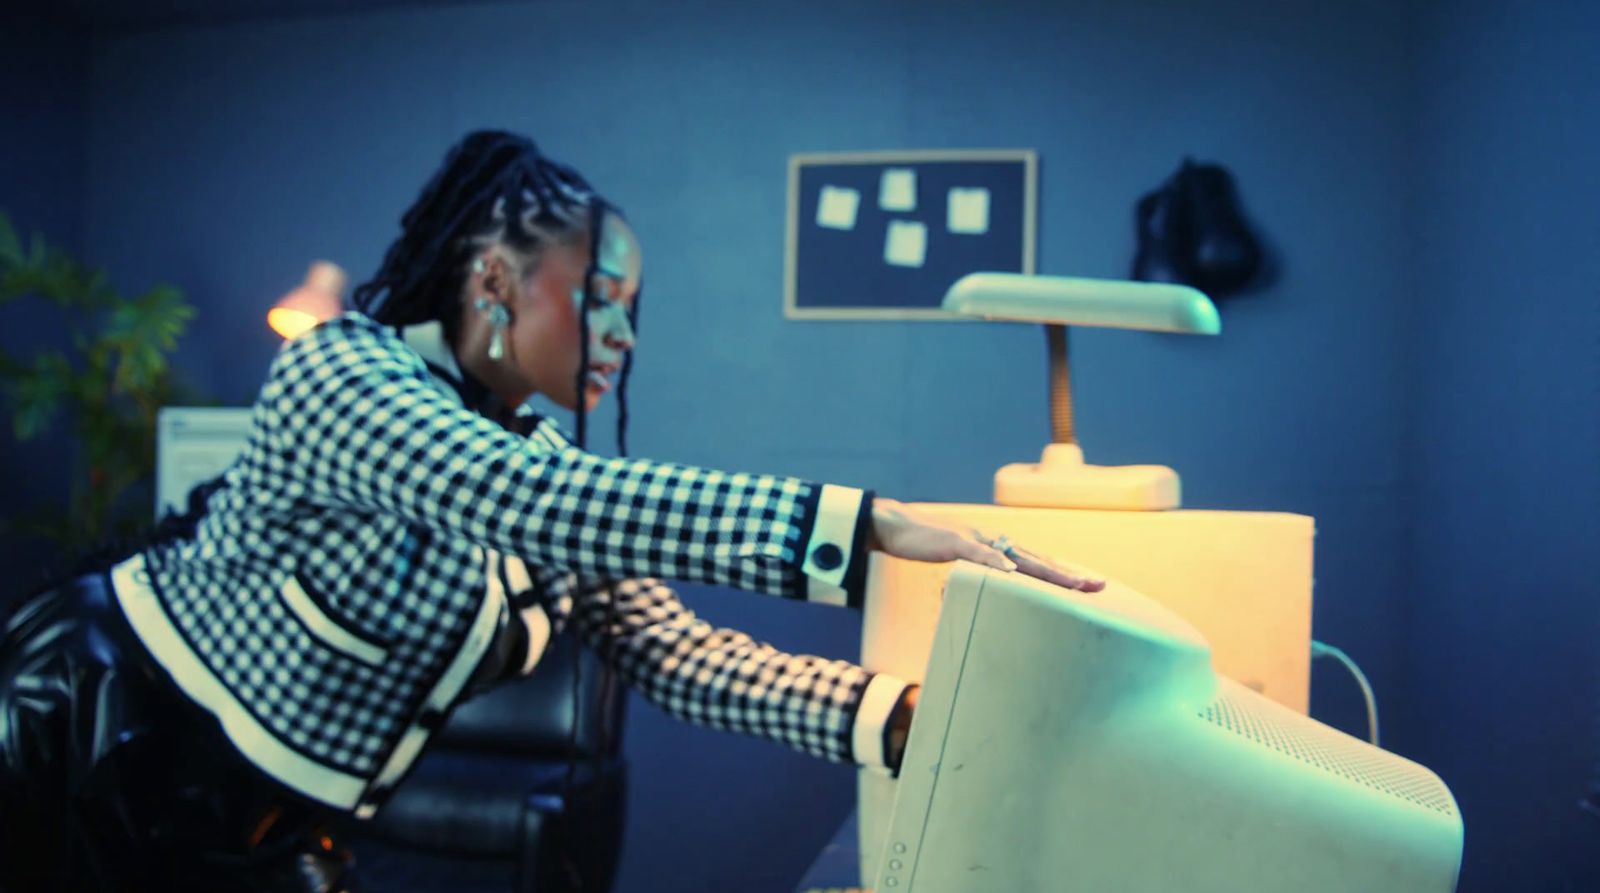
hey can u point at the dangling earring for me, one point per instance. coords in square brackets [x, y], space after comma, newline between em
[499, 319]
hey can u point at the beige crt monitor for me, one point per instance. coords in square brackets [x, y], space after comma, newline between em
[1072, 741]
[193, 445]
[1243, 579]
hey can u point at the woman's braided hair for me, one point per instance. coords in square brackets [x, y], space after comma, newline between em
[494, 185]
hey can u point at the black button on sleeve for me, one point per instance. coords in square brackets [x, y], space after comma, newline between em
[827, 556]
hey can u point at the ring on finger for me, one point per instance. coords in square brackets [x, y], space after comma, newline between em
[1003, 545]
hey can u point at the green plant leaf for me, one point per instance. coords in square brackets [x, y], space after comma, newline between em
[35, 394]
[144, 332]
[48, 274]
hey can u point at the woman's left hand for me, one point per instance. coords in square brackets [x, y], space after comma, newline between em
[903, 532]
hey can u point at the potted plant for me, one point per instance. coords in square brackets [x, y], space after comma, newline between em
[106, 386]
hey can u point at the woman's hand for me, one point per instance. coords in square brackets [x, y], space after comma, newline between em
[900, 726]
[904, 533]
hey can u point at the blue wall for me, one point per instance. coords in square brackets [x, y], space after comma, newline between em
[1505, 440]
[226, 157]
[43, 65]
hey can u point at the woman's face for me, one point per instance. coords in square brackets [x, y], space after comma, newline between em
[543, 339]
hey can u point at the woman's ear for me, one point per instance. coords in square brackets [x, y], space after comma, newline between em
[493, 275]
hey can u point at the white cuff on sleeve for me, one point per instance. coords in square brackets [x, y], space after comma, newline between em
[832, 537]
[872, 717]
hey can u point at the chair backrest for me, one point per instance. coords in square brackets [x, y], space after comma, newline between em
[572, 704]
[523, 786]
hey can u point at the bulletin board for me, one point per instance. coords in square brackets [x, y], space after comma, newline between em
[883, 235]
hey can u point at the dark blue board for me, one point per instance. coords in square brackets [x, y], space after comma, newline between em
[842, 273]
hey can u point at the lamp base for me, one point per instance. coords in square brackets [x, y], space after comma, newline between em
[1062, 480]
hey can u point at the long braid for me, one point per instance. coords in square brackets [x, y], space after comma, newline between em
[596, 220]
[627, 369]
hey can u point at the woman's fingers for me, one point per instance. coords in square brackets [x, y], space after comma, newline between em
[975, 550]
[904, 533]
[999, 560]
[1051, 572]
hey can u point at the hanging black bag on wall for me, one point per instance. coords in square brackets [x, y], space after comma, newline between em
[1191, 231]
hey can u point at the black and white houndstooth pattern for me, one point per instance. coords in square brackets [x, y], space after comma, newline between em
[336, 574]
[710, 676]
[720, 678]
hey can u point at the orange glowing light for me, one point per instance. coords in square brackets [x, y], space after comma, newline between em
[317, 300]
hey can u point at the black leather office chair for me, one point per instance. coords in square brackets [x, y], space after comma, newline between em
[488, 806]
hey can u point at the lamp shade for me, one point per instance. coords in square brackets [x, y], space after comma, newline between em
[318, 299]
[1068, 300]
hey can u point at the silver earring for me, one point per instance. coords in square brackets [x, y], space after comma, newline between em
[499, 319]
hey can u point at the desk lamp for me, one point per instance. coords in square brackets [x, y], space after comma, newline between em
[1062, 479]
[318, 299]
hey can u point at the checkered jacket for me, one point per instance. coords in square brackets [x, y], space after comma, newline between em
[378, 538]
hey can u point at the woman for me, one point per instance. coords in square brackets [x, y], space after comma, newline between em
[395, 536]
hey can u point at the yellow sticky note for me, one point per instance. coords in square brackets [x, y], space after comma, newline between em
[897, 189]
[907, 243]
[836, 209]
[968, 211]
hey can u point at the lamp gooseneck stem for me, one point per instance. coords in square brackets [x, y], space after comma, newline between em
[1060, 385]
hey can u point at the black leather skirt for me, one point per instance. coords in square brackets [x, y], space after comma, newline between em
[111, 779]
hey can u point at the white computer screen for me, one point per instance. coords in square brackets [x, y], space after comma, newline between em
[193, 445]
